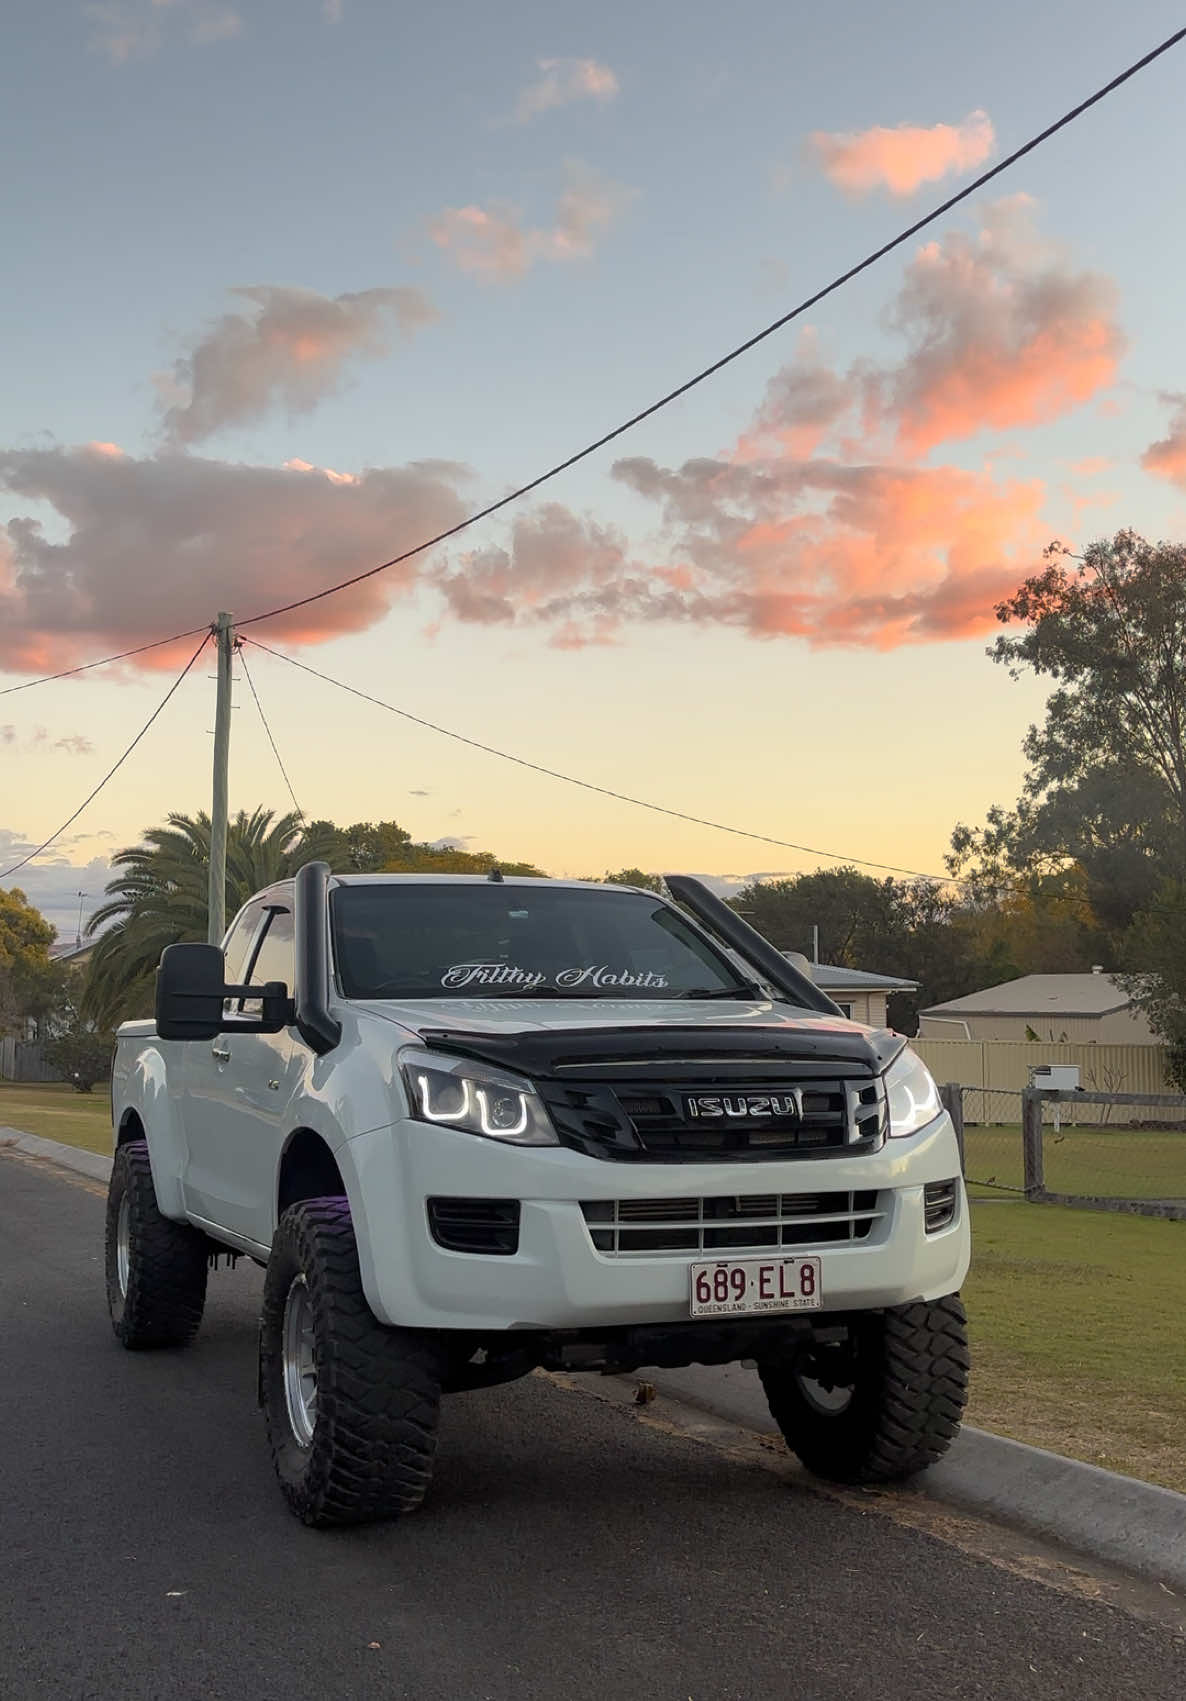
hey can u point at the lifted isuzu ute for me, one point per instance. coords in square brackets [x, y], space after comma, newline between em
[476, 1126]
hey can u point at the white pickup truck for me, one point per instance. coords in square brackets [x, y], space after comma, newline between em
[472, 1127]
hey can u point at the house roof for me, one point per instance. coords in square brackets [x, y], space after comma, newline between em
[1041, 995]
[830, 977]
[61, 952]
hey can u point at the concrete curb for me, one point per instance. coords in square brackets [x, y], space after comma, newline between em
[68, 1157]
[1132, 1525]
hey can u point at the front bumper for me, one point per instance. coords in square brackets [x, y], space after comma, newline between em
[559, 1280]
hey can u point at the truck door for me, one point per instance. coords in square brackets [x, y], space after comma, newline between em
[240, 1086]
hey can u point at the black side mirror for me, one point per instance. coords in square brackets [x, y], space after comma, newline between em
[190, 992]
[191, 995]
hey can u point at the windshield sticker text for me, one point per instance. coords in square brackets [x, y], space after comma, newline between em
[592, 975]
[491, 974]
[599, 974]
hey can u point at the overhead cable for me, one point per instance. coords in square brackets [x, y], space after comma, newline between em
[706, 372]
[733, 354]
[268, 730]
[111, 772]
[104, 661]
[607, 791]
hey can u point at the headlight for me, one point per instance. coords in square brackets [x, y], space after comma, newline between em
[455, 1093]
[913, 1096]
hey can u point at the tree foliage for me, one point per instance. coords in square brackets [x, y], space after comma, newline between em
[1105, 787]
[159, 897]
[635, 877]
[78, 1047]
[948, 942]
[1154, 970]
[1090, 864]
[384, 847]
[27, 976]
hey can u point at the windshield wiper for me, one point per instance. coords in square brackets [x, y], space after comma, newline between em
[741, 992]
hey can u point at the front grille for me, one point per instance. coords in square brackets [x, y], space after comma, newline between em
[939, 1202]
[828, 1115]
[751, 1222]
[475, 1225]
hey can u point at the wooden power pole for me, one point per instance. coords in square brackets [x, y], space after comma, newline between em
[216, 925]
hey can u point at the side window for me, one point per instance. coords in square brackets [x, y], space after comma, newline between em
[271, 956]
[274, 958]
[237, 950]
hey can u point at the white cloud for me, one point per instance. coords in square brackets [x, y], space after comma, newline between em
[53, 883]
[123, 30]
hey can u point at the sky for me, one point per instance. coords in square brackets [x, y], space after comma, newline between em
[296, 284]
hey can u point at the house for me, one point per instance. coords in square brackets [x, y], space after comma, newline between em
[75, 955]
[1081, 1009]
[860, 994]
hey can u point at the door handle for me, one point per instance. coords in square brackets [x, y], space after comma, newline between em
[223, 1053]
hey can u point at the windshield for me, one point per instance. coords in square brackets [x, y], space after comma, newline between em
[502, 941]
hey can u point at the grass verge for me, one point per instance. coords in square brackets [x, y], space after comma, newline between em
[1076, 1321]
[57, 1112]
[1113, 1163]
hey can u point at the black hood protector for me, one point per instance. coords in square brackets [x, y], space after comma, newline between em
[616, 1093]
[720, 1051]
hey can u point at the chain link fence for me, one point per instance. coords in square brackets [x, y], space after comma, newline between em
[1110, 1151]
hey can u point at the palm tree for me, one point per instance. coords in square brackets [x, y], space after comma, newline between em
[160, 897]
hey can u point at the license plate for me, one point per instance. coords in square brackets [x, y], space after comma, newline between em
[732, 1286]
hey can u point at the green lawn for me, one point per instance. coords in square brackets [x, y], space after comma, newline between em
[1076, 1321]
[1108, 1163]
[1076, 1316]
[59, 1113]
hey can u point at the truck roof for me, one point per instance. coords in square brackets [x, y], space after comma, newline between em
[417, 879]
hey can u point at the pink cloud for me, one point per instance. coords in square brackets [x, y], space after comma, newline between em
[147, 546]
[553, 552]
[563, 81]
[903, 158]
[1167, 457]
[493, 244]
[821, 521]
[1000, 332]
[292, 349]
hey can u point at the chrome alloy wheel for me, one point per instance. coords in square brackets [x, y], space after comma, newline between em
[123, 1245]
[299, 1363]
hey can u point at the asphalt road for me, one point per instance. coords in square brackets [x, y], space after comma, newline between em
[568, 1550]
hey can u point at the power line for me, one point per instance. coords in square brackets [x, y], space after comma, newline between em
[268, 730]
[689, 384]
[742, 348]
[606, 791]
[104, 661]
[111, 772]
